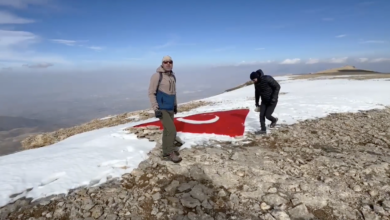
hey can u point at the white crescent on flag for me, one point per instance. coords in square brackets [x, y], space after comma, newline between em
[189, 121]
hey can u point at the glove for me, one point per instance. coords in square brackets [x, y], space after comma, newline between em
[175, 109]
[158, 114]
[257, 105]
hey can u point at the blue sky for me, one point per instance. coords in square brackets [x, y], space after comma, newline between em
[90, 34]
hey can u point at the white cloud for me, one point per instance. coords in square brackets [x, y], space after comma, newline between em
[363, 60]
[373, 42]
[15, 47]
[16, 38]
[312, 61]
[341, 36]
[73, 43]
[338, 60]
[291, 61]
[95, 48]
[20, 4]
[261, 48]
[379, 60]
[8, 18]
[38, 65]
[66, 42]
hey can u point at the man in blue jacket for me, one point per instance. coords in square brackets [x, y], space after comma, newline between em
[162, 96]
[268, 89]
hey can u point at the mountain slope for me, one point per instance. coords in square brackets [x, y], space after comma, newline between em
[275, 168]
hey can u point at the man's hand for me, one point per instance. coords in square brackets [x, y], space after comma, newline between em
[257, 105]
[175, 109]
[158, 113]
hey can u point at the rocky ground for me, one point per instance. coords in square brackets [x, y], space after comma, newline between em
[330, 168]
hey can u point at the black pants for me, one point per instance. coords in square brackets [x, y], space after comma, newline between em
[266, 112]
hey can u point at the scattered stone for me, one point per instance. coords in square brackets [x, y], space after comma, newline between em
[357, 188]
[156, 196]
[197, 193]
[331, 168]
[97, 211]
[274, 199]
[188, 201]
[300, 212]
[273, 190]
[234, 156]
[264, 206]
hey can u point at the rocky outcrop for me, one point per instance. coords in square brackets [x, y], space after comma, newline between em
[348, 69]
[331, 168]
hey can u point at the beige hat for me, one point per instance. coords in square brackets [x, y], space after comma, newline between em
[166, 58]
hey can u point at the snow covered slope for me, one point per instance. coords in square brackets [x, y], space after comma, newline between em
[92, 157]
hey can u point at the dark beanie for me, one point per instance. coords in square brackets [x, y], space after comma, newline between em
[254, 75]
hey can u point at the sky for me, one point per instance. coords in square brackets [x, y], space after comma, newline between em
[85, 55]
[73, 34]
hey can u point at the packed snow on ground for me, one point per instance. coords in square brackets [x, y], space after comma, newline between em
[90, 158]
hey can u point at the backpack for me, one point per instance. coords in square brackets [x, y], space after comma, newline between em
[159, 81]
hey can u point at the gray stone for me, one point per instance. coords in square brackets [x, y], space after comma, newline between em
[186, 186]
[206, 205]
[197, 173]
[234, 156]
[197, 193]
[156, 196]
[264, 206]
[97, 211]
[87, 204]
[300, 212]
[111, 217]
[280, 215]
[274, 199]
[171, 188]
[188, 201]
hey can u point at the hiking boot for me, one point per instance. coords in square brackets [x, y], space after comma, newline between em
[172, 157]
[273, 124]
[260, 132]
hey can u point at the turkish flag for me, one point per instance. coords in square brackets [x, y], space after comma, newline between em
[230, 123]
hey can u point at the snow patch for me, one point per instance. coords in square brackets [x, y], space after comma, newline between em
[93, 157]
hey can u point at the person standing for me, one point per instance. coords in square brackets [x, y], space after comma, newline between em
[268, 89]
[162, 96]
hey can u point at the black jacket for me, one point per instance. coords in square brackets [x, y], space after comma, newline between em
[267, 88]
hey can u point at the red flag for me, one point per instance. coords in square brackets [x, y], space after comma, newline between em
[230, 123]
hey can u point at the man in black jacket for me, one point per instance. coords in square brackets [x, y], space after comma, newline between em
[267, 88]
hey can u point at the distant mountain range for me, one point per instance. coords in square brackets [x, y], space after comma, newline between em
[9, 122]
[346, 69]
[14, 129]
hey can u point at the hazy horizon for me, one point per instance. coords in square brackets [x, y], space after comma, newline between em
[71, 98]
[66, 62]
